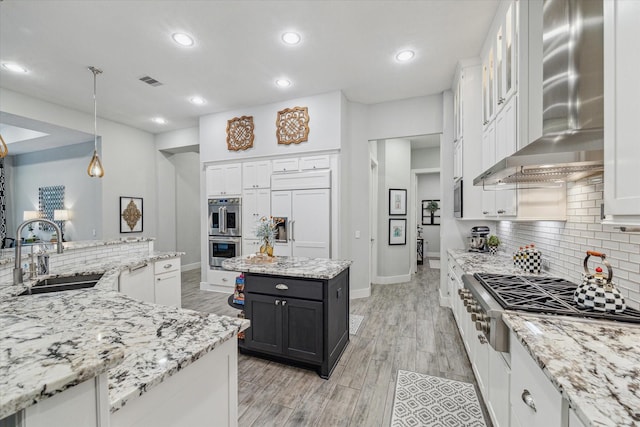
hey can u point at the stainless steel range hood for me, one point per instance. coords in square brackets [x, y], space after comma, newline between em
[572, 144]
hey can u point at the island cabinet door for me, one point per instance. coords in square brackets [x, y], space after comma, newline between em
[303, 331]
[265, 333]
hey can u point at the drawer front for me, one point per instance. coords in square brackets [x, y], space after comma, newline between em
[527, 379]
[284, 286]
[316, 162]
[285, 165]
[166, 265]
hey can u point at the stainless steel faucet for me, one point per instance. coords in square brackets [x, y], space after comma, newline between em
[17, 270]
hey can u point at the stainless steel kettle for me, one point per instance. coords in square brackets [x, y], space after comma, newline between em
[597, 293]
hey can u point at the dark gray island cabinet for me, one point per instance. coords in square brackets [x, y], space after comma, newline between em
[299, 310]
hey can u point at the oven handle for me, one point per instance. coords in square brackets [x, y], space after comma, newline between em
[225, 239]
[222, 219]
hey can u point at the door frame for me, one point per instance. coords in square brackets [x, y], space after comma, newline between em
[373, 220]
[413, 218]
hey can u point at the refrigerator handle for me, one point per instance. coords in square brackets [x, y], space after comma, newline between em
[293, 236]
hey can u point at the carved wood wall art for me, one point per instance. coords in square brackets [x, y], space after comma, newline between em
[240, 133]
[292, 125]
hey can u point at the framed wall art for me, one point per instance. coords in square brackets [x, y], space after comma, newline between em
[431, 212]
[397, 201]
[398, 231]
[131, 214]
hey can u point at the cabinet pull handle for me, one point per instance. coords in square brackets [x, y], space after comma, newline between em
[137, 267]
[485, 212]
[282, 286]
[482, 339]
[224, 279]
[277, 302]
[284, 303]
[501, 211]
[167, 266]
[528, 400]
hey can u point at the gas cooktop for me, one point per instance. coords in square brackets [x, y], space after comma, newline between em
[539, 294]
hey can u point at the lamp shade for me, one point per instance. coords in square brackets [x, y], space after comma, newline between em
[61, 215]
[30, 215]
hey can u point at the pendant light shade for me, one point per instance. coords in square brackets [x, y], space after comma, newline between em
[95, 169]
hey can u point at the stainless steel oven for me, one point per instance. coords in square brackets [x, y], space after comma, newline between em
[225, 216]
[221, 248]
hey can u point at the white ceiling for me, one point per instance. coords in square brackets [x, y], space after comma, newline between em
[346, 45]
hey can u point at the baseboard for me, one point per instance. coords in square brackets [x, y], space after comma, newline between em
[225, 289]
[192, 266]
[360, 293]
[390, 280]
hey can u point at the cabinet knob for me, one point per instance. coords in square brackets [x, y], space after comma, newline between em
[277, 302]
[528, 400]
[284, 303]
[482, 339]
[282, 286]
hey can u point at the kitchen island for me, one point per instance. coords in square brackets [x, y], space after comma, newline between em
[298, 307]
[144, 360]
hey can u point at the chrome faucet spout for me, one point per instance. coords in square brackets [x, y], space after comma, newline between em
[17, 270]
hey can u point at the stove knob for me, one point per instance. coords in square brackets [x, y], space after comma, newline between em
[482, 326]
[478, 317]
[473, 308]
[467, 301]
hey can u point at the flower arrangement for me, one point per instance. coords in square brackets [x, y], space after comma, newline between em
[266, 231]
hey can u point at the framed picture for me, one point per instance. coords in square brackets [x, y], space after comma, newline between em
[131, 214]
[398, 231]
[431, 212]
[397, 201]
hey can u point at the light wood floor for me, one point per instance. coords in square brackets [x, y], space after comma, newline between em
[403, 328]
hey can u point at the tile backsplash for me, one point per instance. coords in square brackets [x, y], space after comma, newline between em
[564, 244]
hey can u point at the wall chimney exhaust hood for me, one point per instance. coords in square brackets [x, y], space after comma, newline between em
[572, 145]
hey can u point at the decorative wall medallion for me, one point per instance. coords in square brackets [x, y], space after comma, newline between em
[130, 214]
[240, 133]
[292, 125]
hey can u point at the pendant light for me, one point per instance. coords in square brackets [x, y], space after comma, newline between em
[95, 169]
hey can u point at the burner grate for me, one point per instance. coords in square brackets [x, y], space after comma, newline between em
[542, 294]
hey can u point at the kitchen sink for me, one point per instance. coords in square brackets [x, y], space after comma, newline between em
[68, 283]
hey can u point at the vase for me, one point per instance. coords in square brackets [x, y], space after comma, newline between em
[493, 250]
[266, 249]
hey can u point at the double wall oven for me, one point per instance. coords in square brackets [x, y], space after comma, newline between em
[225, 230]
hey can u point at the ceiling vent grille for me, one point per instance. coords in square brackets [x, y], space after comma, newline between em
[150, 81]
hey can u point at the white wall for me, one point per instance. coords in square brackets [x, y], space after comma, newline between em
[425, 158]
[187, 183]
[59, 166]
[429, 189]
[324, 129]
[394, 260]
[128, 157]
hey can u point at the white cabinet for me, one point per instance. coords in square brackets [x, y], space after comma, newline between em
[457, 160]
[499, 386]
[167, 282]
[83, 405]
[506, 142]
[308, 224]
[255, 205]
[137, 282]
[621, 106]
[256, 174]
[488, 160]
[286, 165]
[159, 283]
[224, 180]
[315, 162]
[574, 421]
[534, 400]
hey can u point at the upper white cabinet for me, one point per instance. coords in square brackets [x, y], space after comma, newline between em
[256, 174]
[286, 165]
[621, 106]
[224, 180]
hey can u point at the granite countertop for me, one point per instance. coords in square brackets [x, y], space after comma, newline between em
[594, 364]
[313, 268]
[50, 342]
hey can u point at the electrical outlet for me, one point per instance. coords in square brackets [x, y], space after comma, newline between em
[545, 264]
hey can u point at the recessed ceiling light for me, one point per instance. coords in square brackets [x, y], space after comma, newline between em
[159, 120]
[291, 38]
[182, 39]
[16, 68]
[197, 100]
[283, 83]
[405, 55]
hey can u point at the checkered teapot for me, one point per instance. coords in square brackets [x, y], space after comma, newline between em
[597, 293]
